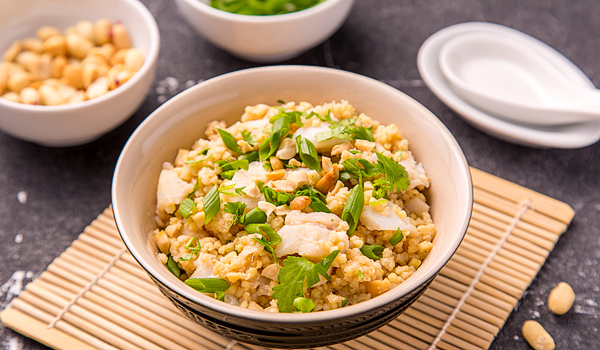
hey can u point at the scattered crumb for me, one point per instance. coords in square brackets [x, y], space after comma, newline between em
[161, 98]
[590, 302]
[18, 238]
[189, 83]
[516, 338]
[22, 197]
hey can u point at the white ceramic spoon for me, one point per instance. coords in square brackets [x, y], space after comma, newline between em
[511, 80]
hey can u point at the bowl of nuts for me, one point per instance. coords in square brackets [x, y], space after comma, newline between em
[71, 71]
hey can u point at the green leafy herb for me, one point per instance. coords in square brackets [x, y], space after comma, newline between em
[269, 237]
[308, 153]
[293, 275]
[235, 208]
[360, 168]
[268, 146]
[318, 202]
[208, 285]
[397, 237]
[220, 295]
[302, 304]
[354, 151]
[343, 129]
[353, 208]
[194, 245]
[378, 202]
[248, 137]
[263, 7]
[372, 251]
[360, 275]
[229, 168]
[380, 188]
[211, 203]
[394, 172]
[344, 176]
[186, 207]
[172, 266]
[229, 141]
[254, 216]
[228, 190]
[277, 198]
[198, 161]
[281, 102]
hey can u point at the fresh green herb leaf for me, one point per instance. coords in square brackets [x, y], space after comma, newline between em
[378, 202]
[235, 208]
[308, 153]
[229, 141]
[344, 302]
[211, 203]
[281, 102]
[266, 231]
[277, 198]
[372, 251]
[302, 304]
[239, 190]
[397, 237]
[281, 126]
[353, 208]
[248, 137]
[251, 156]
[254, 216]
[394, 172]
[228, 190]
[354, 152]
[360, 132]
[227, 175]
[229, 168]
[203, 152]
[208, 285]
[220, 295]
[186, 207]
[293, 274]
[318, 202]
[360, 168]
[198, 161]
[360, 275]
[194, 245]
[380, 188]
[261, 186]
[344, 176]
[173, 267]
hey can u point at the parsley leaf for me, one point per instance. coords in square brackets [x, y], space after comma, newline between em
[318, 201]
[394, 172]
[235, 208]
[293, 274]
[269, 237]
[248, 137]
[229, 168]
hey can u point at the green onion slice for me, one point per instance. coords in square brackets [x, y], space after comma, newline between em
[308, 153]
[186, 207]
[302, 304]
[212, 203]
[172, 266]
[397, 237]
[353, 208]
[229, 141]
[372, 251]
[208, 285]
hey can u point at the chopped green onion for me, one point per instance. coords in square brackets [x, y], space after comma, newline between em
[360, 275]
[189, 161]
[308, 153]
[397, 237]
[172, 266]
[268, 146]
[344, 302]
[353, 208]
[354, 151]
[194, 245]
[212, 203]
[372, 251]
[228, 190]
[186, 207]
[220, 295]
[378, 202]
[208, 285]
[282, 102]
[302, 304]
[235, 208]
[250, 156]
[254, 216]
[266, 231]
[318, 202]
[344, 176]
[230, 168]
[277, 198]
[229, 141]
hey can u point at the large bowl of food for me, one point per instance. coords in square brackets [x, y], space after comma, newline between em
[265, 31]
[71, 71]
[292, 206]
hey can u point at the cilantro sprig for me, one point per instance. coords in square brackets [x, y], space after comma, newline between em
[295, 273]
[344, 129]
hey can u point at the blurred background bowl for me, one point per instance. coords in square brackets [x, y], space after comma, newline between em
[78, 123]
[273, 38]
[182, 120]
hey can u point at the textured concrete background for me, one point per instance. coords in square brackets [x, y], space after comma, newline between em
[67, 188]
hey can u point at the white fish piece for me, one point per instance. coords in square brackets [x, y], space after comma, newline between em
[255, 172]
[310, 133]
[267, 207]
[306, 240]
[326, 220]
[416, 173]
[204, 270]
[386, 219]
[417, 205]
[171, 190]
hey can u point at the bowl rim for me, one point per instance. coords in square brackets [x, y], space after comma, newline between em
[201, 5]
[147, 67]
[236, 311]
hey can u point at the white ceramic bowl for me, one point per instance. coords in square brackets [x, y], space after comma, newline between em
[78, 123]
[266, 38]
[180, 121]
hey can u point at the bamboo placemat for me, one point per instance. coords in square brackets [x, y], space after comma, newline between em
[464, 308]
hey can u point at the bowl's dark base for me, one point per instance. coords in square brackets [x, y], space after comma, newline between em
[292, 335]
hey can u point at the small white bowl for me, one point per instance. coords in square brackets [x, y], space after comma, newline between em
[78, 123]
[182, 120]
[266, 38]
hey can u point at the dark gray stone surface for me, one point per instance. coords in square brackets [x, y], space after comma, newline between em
[68, 187]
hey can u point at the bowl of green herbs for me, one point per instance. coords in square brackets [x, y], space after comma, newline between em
[265, 30]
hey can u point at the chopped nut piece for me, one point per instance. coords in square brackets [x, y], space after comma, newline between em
[300, 203]
[325, 183]
[275, 175]
[364, 145]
